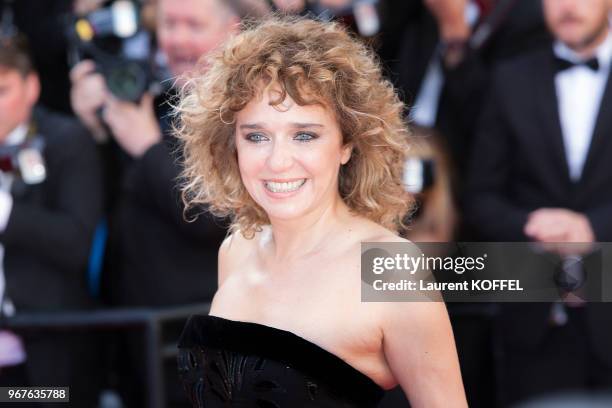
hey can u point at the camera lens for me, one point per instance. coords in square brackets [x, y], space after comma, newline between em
[127, 81]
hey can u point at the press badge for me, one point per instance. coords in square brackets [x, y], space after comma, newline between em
[31, 165]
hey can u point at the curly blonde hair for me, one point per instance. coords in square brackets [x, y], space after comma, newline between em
[314, 63]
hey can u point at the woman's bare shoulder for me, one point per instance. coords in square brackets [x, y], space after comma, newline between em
[236, 249]
[373, 232]
[231, 243]
[232, 253]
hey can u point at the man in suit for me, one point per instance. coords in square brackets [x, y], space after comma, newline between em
[50, 202]
[157, 258]
[541, 171]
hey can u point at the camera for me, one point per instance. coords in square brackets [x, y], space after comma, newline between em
[114, 38]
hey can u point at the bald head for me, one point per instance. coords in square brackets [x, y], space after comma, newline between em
[189, 29]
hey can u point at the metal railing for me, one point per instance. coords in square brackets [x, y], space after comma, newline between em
[149, 320]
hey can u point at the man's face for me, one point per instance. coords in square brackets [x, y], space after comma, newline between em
[17, 97]
[188, 29]
[577, 23]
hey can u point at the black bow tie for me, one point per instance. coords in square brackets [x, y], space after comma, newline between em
[563, 64]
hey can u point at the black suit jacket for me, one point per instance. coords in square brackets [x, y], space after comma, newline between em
[519, 165]
[48, 236]
[47, 244]
[157, 257]
[465, 85]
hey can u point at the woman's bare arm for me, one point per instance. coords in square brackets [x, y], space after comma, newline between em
[420, 349]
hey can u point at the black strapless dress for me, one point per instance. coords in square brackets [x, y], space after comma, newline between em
[228, 363]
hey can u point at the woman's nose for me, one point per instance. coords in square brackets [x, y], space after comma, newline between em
[281, 157]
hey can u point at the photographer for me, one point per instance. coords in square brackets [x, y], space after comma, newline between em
[155, 254]
[156, 258]
[50, 202]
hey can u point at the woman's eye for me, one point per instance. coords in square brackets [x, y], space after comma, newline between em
[305, 137]
[256, 137]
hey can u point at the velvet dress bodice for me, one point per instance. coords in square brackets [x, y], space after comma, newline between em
[229, 363]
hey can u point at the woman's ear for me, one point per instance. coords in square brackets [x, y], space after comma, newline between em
[347, 150]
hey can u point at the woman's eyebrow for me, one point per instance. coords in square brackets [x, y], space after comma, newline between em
[295, 125]
[306, 125]
[252, 126]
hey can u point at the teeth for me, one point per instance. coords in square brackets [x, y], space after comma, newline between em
[284, 187]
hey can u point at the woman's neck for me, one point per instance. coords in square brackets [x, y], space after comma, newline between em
[291, 239]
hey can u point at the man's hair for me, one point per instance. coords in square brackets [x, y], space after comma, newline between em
[313, 63]
[14, 55]
[247, 8]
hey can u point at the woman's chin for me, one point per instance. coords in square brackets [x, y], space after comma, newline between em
[284, 214]
[284, 210]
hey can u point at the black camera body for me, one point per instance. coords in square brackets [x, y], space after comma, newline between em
[114, 39]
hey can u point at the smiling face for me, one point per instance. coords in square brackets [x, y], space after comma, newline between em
[289, 156]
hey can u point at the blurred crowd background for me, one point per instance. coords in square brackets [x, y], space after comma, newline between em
[511, 111]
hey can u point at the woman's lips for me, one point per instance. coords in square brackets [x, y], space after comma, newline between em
[283, 187]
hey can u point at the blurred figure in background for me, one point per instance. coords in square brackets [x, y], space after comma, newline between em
[154, 251]
[50, 201]
[440, 54]
[541, 172]
[427, 175]
[42, 22]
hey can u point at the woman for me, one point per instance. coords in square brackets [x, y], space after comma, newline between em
[294, 133]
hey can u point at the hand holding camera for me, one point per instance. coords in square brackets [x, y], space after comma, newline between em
[134, 125]
[111, 91]
[87, 96]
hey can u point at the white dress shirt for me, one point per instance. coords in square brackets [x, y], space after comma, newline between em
[579, 93]
[12, 351]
